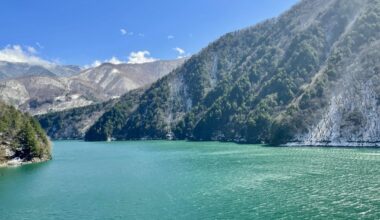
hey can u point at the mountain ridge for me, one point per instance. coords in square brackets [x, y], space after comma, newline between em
[11, 70]
[47, 93]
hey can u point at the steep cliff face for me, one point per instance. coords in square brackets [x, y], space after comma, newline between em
[22, 140]
[352, 114]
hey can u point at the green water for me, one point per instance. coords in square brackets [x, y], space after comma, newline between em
[182, 180]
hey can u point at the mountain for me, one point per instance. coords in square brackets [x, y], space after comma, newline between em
[9, 70]
[308, 77]
[113, 119]
[22, 140]
[42, 94]
[47, 93]
[74, 123]
[117, 79]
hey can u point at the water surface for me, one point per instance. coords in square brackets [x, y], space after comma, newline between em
[185, 180]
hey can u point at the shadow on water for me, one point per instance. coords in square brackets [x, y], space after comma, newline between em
[24, 169]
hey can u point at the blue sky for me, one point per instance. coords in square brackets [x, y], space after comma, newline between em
[83, 31]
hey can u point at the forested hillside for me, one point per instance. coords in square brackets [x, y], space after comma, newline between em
[21, 137]
[74, 123]
[300, 78]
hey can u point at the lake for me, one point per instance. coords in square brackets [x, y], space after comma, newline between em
[193, 180]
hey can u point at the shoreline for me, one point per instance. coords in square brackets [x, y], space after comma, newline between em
[290, 144]
[17, 162]
[334, 144]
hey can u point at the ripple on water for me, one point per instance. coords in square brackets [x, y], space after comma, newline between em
[184, 180]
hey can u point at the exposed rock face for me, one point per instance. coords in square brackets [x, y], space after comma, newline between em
[47, 93]
[115, 80]
[352, 116]
[42, 94]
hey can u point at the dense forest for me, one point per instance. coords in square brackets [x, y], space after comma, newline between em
[112, 121]
[21, 136]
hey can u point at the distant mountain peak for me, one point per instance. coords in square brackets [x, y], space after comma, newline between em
[40, 90]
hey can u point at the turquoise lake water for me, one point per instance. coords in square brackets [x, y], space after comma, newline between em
[186, 180]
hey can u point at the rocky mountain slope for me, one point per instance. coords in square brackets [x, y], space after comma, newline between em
[47, 93]
[22, 140]
[116, 80]
[42, 94]
[308, 77]
[9, 70]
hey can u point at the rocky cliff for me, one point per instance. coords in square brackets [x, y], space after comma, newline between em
[352, 114]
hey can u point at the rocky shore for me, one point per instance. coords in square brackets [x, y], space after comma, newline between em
[8, 157]
[15, 162]
[22, 140]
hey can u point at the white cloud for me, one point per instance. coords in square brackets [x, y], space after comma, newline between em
[114, 60]
[141, 35]
[31, 50]
[134, 58]
[96, 63]
[170, 37]
[140, 57]
[19, 54]
[123, 31]
[179, 50]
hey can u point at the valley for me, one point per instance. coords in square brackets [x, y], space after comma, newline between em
[201, 109]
